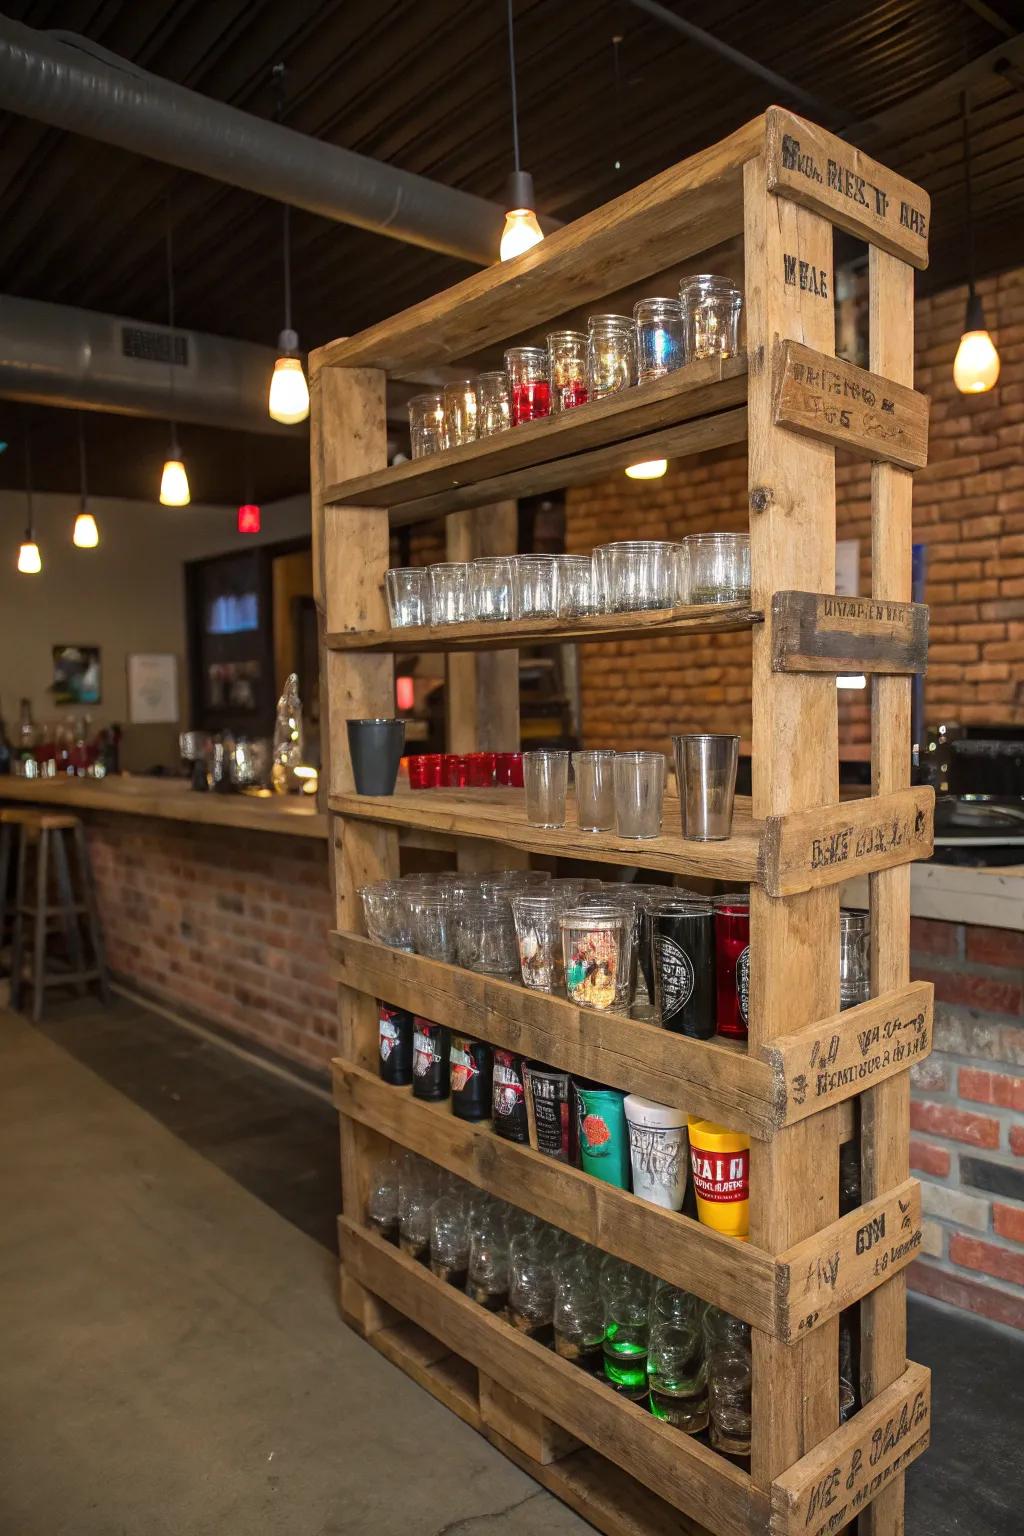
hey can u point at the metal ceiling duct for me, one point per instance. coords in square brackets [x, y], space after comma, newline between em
[70, 83]
[53, 354]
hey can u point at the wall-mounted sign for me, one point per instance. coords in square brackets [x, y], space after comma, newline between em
[152, 689]
[77, 677]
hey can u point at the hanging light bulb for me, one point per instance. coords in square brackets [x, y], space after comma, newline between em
[174, 491]
[650, 469]
[288, 401]
[30, 561]
[521, 227]
[86, 534]
[976, 365]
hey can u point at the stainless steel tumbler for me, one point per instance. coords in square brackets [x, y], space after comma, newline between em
[706, 776]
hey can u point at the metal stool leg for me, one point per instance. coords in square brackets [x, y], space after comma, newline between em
[18, 935]
[65, 894]
[39, 948]
[92, 912]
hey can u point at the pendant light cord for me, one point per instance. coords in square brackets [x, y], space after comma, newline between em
[30, 529]
[277, 74]
[83, 489]
[512, 77]
[170, 326]
[968, 194]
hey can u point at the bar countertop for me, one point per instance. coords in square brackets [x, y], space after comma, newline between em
[172, 799]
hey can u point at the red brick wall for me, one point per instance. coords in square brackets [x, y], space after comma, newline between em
[227, 925]
[968, 510]
[967, 1135]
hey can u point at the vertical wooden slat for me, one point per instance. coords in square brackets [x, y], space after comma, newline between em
[885, 1110]
[350, 556]
[794, 972]
[483, 687]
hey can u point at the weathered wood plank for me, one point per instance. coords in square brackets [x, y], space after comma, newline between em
[819, 632]
[734, 1275]
[705, 1077]
[528, 1430]
[693, 619]
[835, 1059]
[825, 1273]
[677, 1467]
[831, 1484]
[819, 171]
[809, 849]
[685, 209]
[839, 403]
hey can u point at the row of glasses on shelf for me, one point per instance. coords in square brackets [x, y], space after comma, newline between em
[576, 367]
[626, 576]
[647, 1340]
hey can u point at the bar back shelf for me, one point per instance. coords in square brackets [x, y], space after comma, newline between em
[811, 1075]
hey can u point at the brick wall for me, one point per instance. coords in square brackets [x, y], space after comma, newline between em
[968, 510]
[967, 1135]
[223, 924]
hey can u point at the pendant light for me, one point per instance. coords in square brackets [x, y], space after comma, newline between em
[174, 491]
[521, 228]
[649, 469]
[976, 366]
[289, 392]
[30, 561]
[86, 534]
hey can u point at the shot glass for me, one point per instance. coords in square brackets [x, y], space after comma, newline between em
[546, 775]
[639, 779]
[425, 770]
[529, 390]
[595, 790]
[706, 776]
[508, 769]
[493, 412]
[567, 370]
[460, 412]
[448, 592]
[454, 770]
[535, 583]
[479, 769]
[426, 425]
[490, 588]
[408, 595]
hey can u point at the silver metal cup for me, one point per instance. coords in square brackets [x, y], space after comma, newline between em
[706, 775]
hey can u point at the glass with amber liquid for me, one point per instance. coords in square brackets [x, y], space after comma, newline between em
[676, 1364]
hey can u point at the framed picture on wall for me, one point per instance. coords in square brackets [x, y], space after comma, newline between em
[76, 675]
[153, 688]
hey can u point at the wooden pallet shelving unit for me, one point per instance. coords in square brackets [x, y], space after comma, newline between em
[810, 1076]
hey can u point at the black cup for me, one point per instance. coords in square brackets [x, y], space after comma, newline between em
[376, 748]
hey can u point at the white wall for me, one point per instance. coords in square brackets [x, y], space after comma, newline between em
[127, 595]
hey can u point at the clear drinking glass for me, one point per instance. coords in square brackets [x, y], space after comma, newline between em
[576, 591]
[611, 354]
[448, 588]
[627, 1330]
[597, 953]
[659, 333]
[595, 790]
[433, 924]
[531, 1282]
[493, 411]
[387, 913]
[426, 425]
[546, 777]
[485, 936]
[717, 567]
[578, 1311]
[408, 594]
[539, 937]
[854, 957]
[487, 1282]
[637, 574]
[727, 1343]
[676, 1364]
[639, 793]
[490, 587]
[415, 1206]
[567, 370]
[382, 1200]
[711, 316]
[460, 412]
[449, 1240]
[529, 390]
[535, 584]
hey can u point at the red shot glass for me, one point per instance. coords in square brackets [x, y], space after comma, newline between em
[480, 769]
[508, 769]
[454, 770]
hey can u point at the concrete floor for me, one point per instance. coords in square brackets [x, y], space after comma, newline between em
[174, 1364]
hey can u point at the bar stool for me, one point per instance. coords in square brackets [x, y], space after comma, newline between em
[44, 831]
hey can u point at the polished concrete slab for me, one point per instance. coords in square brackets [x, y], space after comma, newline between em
[178, 1355]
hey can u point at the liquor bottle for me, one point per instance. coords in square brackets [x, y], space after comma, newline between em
[26, 741]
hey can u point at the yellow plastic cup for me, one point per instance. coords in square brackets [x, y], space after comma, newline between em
[720, 1166]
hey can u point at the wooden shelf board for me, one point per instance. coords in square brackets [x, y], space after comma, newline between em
[677, 1468]
[703, 619]
[698, 389]
[705, 1077]
[732, 1274]
[499, 815]
[688, 208]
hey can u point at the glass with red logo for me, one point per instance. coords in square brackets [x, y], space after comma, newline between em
[732, 963]
[529, 390]
[567, 370]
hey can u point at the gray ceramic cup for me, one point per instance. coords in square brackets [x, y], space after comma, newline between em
[375, 747]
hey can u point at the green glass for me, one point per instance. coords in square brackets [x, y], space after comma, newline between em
[625, 1356]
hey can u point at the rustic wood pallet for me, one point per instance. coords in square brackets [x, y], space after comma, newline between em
[784, 185]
